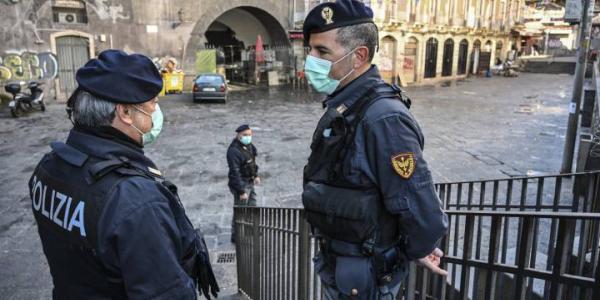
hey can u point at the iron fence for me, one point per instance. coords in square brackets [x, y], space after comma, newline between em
[525, 238]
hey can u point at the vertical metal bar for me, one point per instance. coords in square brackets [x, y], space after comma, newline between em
[565, 234]
[424, 283]
[286, 255]
[304, 257]
[448, 195]
[456, 236]
[524, 253]
[266, 252]
[521, 208]
[256, 251]
[538, 206]
[553, 231]
[490, 284]
[478, 238]
[495, 195]
[295, 255]
[470, 196]
[467, 250]
[505, 229]
[412, 281]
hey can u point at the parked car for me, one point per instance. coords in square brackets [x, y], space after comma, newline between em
[210, 87]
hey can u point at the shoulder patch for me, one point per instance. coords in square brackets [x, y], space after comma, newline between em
[404, 164]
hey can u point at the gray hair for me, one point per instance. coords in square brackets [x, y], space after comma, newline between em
[365, 34]
[92, 111]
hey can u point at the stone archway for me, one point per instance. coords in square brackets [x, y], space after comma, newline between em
[267, 17]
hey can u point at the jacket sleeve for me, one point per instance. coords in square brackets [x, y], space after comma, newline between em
[234, 161]
[141, 241]
[394, 146]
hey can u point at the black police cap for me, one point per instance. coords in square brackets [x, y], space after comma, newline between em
[242, 128]
[330, 15]
[119, 77]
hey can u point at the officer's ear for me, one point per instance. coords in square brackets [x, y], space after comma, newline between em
[123, 113]
[362, 56]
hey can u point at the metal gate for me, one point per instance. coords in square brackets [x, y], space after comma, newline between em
[431, 58]
[448, 56]
[462, 57]
[72, 53]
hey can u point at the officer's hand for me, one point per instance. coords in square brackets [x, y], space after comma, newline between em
[432, 262]
[257, 180]
[244, 197]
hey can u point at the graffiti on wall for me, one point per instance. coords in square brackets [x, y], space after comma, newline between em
[107, 10]
[28, 66]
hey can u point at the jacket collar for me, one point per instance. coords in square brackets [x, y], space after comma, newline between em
[101, 145]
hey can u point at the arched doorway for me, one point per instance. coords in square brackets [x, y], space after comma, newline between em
[387, 59]
[463, 57]
[230, 41]
[409, 70]
[431, 58]
[498, 52]
[485, 58]
[448, 57]
[73, 49]
[475, 57]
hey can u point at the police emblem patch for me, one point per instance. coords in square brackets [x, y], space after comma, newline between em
[404, 164]
[327, 14]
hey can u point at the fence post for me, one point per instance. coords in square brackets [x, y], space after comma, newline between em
[303, 257]
[256, 257]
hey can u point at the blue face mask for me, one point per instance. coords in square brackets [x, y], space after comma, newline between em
[246, 139]
[157, 124]
[317, 72]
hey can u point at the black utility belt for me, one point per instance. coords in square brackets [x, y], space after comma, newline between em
[386, 262]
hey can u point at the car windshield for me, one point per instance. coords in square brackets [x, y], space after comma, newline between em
[215, 80]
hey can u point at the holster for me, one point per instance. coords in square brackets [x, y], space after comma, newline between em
[354, 277]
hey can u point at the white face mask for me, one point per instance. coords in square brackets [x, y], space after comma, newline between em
[317, 72]
[157, 123]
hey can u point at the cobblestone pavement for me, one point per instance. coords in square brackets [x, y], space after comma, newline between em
[475, 129]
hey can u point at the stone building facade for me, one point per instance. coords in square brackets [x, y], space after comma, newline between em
[50, 39]
[422, 41]
[426, 41]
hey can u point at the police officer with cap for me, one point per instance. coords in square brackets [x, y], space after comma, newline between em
[243, 170]
[368, 193]
[112, 227]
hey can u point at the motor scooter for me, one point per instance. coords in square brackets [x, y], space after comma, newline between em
[23, 102]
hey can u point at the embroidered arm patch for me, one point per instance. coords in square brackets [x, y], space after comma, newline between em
[404, 164]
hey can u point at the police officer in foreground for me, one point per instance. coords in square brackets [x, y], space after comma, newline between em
[243, 170]
[111, 226]
[368, 193]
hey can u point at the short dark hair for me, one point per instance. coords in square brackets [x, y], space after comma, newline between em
[365, 34]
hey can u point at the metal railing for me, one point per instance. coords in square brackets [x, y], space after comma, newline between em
[541, 244]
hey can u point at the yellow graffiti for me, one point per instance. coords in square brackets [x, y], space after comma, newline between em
[5, 73]
[27, 66]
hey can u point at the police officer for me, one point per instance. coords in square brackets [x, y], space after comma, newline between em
[243, 170]
[111, 226]
[368, 192]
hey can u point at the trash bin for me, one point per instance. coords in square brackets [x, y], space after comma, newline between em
[173, 82]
